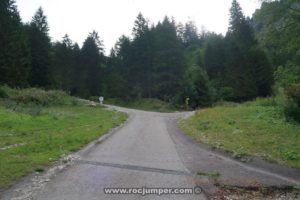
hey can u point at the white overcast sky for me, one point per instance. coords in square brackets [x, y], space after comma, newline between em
[112, 18]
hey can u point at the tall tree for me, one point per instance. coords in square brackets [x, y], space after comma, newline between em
[63, 64]
[243, 75]
[92, 63]
[277, 26]
[117, 72]
[169, 63]
[140, 26]
[214, 57]
[190, 35]
[40, 49]
[196, 86]
[14, 51]
[239, 27]
[141, 67]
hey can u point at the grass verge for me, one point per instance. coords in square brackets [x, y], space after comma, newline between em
[253, 128]
[30, 142]
[213, 174]
[146, 104]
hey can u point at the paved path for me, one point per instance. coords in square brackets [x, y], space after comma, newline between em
[149, 151]
[141, 154]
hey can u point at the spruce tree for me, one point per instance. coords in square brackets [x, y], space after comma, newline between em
[244, 74]
[40, 49]
[14, 48]
[141, 67]
[168, 61]
[92, 63]
[190, 35]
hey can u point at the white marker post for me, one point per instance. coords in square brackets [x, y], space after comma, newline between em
[101, 99]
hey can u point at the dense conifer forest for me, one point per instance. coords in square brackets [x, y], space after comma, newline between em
[169, 60]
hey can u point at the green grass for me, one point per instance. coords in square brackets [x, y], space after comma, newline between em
[29, 142]
[213, 174]
[253, 128]
[146, 104]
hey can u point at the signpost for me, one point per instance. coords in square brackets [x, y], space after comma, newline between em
[187, 102]
[101, 99]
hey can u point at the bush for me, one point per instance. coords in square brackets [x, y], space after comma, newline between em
[293, 93]
[288, 75]
[197, 87]
[34, 96]
[292, 107]
[2, 93]
[41, 97]
[94, 98]
[270, 101]
[226, 94]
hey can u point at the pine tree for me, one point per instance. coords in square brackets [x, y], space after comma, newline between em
[92, 62]
[62, 64]
[40, 49]
[214, 57]
[141, 66]
[190, 35]
[240, 28]
[168, 61]
[242, 66]
[120, 70]
[196, 86]
[14, 51]
[140, 26]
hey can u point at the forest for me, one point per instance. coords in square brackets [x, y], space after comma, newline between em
[170, 61]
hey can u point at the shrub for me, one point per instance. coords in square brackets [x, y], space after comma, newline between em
[10, 104]
[94, 98]
[270, 101]
[293, 93]
[2, 93]
[226, 93]
[41, 97]
[288, 75]
[34, 96]
[292, 107]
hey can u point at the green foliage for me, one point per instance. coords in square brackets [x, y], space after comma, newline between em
[14, 51]
[277, 27]
[288, 92]
[225, 93]
[155, 63]
[285, 76]
[40, 49]
[190, 34]
[91, 58]
[197, 88]
[3, 93]
[215, 48]
[34, 96]
[248, 70]
[150, 65]
[292, 106]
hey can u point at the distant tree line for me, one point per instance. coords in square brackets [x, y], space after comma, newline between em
[167, 60]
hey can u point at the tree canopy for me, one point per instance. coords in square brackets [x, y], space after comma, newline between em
[168, 60]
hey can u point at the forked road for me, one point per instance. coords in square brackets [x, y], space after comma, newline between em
[150, 152]
[140, 154]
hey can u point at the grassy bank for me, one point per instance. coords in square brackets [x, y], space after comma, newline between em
[254, 128]
[32, 136]
[144, 104]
